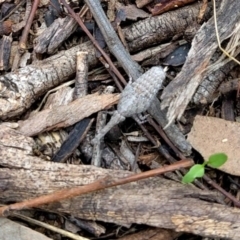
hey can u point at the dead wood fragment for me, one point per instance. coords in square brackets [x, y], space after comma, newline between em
[202, 10]
[227, 111]
[54, 35]
[167, 6]
[154, 201]
[66, 115]
[154, 30]
[179, 92]
[81, 79]
[205, 91]
[21, 88]
[75, 137]
[5, 50]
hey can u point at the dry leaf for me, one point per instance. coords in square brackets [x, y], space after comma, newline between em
[214, 135]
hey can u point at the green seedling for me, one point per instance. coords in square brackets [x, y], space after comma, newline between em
[198, 170]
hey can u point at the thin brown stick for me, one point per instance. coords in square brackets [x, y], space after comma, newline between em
[106, 182]
[109, 61]
[221, 190]
[23, 40]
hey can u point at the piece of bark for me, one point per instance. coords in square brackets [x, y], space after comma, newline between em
[81, 79]
[54, 35]
[155, 201]
[205, 91]
[227, 111]
[73, 140]
[166, 6]
[66, 115]
[5, 50]
[22, 87]
[154, 30]
[179, 92]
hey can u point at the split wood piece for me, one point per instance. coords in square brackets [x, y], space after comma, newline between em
[5, 50]
[50, 142]
[134, 70]
[179, 92]
[21, 88]
[227, 111]
[154, 30]
[205, 91]
[54, 35]
[80, 89]
[167, 6]
[155, 201]
[73, 140]
[67, 115]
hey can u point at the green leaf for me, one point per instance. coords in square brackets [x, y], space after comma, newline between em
[217, 160]
[195, 171]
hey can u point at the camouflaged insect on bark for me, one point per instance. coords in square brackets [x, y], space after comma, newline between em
[135, 98]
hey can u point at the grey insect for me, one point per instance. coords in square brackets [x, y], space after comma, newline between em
[135, 98]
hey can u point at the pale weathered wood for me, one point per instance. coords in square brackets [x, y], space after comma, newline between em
[180, 91]
[154, 201]
[154, 30]
[66, 115]
[21, 88]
